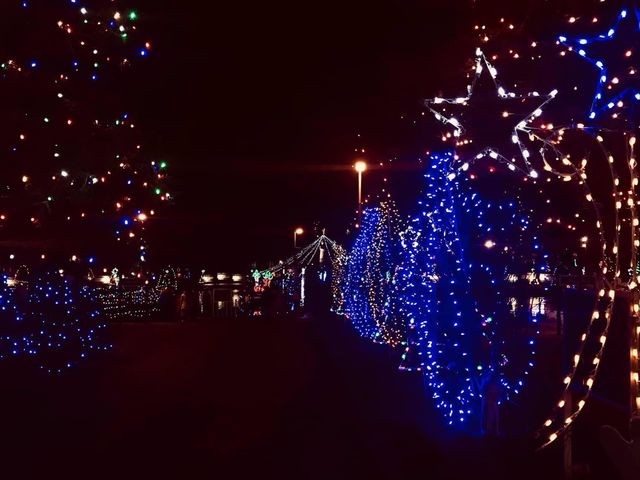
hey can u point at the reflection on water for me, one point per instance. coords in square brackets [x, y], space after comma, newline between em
[537, 306]
[540, 312]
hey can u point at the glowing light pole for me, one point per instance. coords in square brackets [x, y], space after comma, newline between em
[296, 232]
[361, 167]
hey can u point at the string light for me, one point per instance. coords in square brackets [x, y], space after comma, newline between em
[481, 108]
[612, 94]
[61, 324]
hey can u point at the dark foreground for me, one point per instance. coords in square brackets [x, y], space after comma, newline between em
[241, 399]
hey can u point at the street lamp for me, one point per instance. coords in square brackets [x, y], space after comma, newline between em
[361, 167]
[296, 232]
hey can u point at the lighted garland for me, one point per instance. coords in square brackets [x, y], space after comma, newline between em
[135, 303]
[386, 256]
[616, 102]
[581, 377]
[71, 323]
[358, 281]
[612, 53]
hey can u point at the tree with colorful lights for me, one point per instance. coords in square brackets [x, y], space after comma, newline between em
[76, 181]
[73, 161]
[370, 275]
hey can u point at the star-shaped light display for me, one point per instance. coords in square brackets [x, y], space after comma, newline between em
[614, 54]
[489, 121]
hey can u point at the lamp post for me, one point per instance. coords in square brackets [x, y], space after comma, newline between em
[360, 167]
[296, 232]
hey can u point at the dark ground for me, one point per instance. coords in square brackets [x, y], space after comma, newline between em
[241, 399]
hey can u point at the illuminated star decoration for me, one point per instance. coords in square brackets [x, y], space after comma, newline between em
[618, 80]
[489, 121]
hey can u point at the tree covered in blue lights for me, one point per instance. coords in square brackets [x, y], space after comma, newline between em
[51, 322]
[457, 254]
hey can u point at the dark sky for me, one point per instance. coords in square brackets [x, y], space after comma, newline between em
[256, 106]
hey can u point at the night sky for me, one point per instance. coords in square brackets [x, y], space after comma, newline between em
[257, 108]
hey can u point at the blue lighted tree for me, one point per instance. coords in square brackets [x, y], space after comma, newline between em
[50, 321]
[452, 289]
[370, 276]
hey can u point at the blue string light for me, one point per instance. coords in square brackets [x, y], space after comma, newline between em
[613, 54]
[357, 307]
[50, 322]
